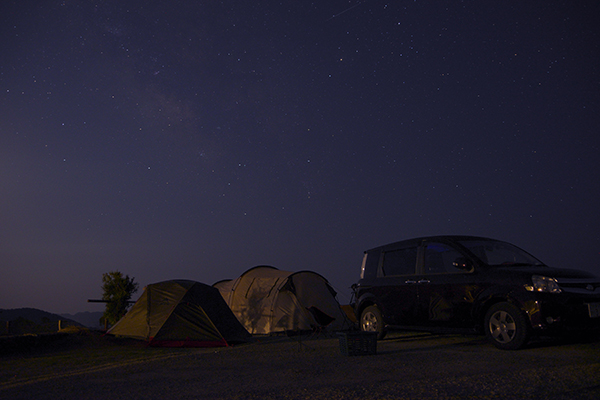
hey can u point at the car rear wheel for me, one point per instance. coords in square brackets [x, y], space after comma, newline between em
[371, 321]
[506, 326]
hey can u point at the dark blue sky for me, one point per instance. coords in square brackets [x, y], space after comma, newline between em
[194, 140]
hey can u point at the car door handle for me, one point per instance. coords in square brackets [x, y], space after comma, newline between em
[424, 281]
[410, 282]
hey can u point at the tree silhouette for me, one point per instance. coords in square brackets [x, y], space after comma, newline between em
[117, 291]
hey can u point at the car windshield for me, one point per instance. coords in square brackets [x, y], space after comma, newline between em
[499, 253]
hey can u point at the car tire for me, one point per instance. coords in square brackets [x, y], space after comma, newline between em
[372, 321]
[506, 326]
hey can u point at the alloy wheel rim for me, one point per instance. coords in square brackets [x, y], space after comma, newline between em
[502, 327]
[369, 323]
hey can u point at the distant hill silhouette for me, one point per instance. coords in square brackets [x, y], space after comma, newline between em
[87, 319]
[19, 321]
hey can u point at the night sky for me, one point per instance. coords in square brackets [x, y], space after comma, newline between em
[197, 139]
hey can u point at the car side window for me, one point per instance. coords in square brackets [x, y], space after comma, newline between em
[400, 262]
[440, 259]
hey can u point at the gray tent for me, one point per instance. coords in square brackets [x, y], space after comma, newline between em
[267, 300]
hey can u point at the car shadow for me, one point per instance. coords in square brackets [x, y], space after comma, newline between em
[424, 341]
[565, 339]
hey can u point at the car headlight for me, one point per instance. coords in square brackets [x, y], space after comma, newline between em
[543, 284]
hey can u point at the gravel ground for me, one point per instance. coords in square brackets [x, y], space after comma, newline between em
[406, 366]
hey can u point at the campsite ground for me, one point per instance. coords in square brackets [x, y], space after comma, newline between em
[406, 366]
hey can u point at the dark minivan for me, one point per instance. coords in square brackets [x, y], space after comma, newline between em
[472, 284]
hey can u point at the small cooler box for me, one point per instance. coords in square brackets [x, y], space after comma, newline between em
[358, 343]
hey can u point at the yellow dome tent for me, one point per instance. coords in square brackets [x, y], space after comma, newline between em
[181, 313]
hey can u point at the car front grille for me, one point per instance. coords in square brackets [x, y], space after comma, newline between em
[580, 286]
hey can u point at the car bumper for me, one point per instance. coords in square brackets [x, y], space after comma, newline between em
[564, 312]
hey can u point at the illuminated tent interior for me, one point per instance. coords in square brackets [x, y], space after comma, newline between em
[267, 300]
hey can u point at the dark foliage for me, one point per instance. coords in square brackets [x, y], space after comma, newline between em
[117, 291]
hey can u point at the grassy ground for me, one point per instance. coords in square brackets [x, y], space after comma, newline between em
[74, 353]
[406, 366]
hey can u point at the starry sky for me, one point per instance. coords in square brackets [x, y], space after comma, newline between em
[197, 139]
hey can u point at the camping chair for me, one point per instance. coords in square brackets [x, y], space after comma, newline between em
[299, 337]
[323, 320]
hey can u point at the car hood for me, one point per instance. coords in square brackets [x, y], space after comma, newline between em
[551, 272]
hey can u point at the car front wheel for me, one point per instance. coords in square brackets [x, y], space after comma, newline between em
[371, 321]
[506, 326]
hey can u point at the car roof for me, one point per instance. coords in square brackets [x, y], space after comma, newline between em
[444, 238]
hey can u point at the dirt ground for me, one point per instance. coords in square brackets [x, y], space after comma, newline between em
[406, 366]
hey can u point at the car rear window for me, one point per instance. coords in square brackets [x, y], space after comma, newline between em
[400, 262]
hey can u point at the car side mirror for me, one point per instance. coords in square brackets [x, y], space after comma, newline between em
[463, 263]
